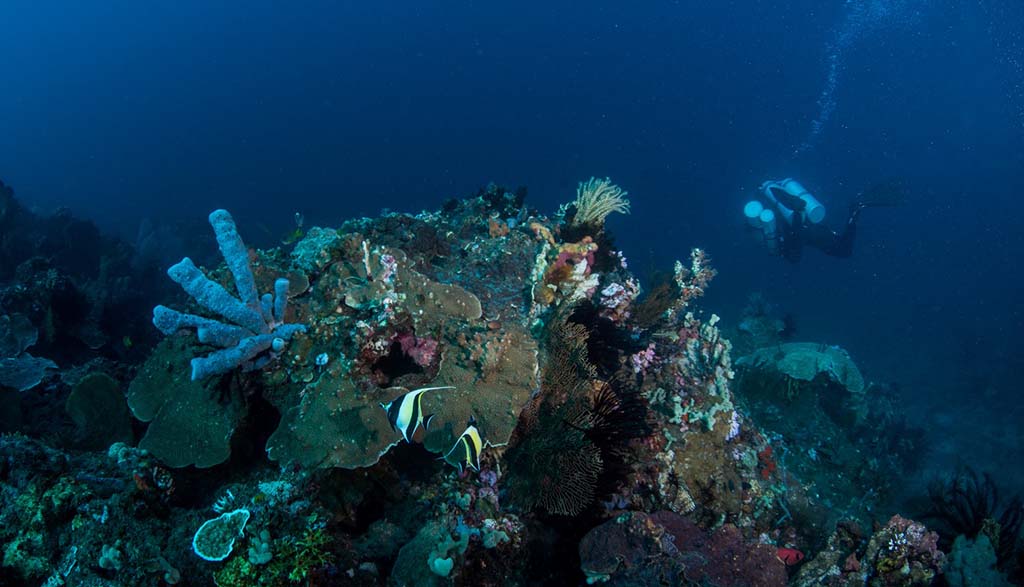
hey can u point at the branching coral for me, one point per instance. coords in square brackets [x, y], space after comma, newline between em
[691, 281]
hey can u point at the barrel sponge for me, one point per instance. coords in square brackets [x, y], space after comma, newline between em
[804, 361]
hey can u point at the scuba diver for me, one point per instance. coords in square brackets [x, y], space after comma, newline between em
[791, 217]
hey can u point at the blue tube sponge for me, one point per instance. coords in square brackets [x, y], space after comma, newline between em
[236, 255]
[252, 325]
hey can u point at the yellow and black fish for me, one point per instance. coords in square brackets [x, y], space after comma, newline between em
[405, 413]
[466, 450]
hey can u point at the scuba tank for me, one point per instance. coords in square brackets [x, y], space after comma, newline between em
[784, 200]
[763, 220]
[801, 200]
[798, 200]
[814, 210]
[752, 211]
[770, 230]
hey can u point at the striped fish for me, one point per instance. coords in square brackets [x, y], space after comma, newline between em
[405, 413]
[467, 449]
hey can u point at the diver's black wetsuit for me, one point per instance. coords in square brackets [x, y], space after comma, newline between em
[800, 232]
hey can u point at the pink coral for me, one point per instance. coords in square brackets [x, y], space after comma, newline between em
[617, 298]
[422, 350]
[642, 359]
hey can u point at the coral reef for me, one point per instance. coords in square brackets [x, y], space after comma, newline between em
[973, 562]
[804, 362]
[619, 441]
[215, 538]
[902, 552]
[665, 548]
[190, 423]
[18, 369]
[967, 507]
[458, 537]
[491, 367]
[557, 465]
[81, 290]
[760, 326]
[97, 406]
[844, 439]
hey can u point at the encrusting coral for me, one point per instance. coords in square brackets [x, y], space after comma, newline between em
[491, 371]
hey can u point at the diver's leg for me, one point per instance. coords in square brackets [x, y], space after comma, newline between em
[855, 210]
[842, 243]
[834, 244]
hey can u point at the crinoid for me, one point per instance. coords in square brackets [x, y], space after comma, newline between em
[597, 198]
[968, 503]
[615, 417]
[569, 449]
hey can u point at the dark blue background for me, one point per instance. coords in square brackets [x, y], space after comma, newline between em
[339, 109]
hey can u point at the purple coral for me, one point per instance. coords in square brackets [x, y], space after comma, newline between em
[734, 427]
[617, 298]
[421, 349]
[642, 359]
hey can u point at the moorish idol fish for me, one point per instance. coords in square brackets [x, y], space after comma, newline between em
[467, 448]
[405, 413]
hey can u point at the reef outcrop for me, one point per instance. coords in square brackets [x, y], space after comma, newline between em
[600, 430]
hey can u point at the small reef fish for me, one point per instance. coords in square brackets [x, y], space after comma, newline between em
[467, 448]
[790, 556]
[405, 413]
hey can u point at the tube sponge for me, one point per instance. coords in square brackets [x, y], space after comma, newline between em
[236, 255]
[252, 325]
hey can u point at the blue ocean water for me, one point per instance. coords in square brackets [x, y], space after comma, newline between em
[130, 111]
